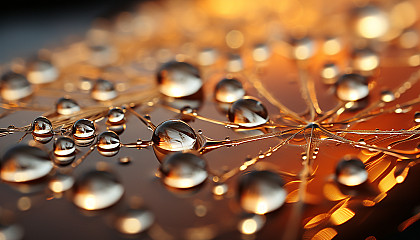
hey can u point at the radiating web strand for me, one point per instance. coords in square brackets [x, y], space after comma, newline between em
[146, 121]
[308, 91]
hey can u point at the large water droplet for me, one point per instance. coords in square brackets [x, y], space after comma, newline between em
[261, 192]
[229, 90]
[371, 22]
[352, 87]
[350, 171]
[64, 146]
[61, 183]
[135, 221]
[248, 112]
[108, 144]
[66, 106]
[103, 90]
[178, 79]
[183, 170]
[42, 130]
[116, 116]
[83, 129]
[97, 190]
[41, 72]
[24, 163]
[174, 135]
[14, 87]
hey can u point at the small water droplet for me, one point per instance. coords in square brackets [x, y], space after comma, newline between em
[183, 170]
[248, 112]
[61, 183]
[42, 130]
[261, 52]
[329, 73]
[174, 135]
[66, 106]
[350, 171]
[220, 189]
[124, 160]
[303, 48]
[417, 117]
[108, 144]
[251, 223]
[83, 129]
[178, 79]
[134, 221]
[352, 87]
[261, 192]
[97, 190]
[207, 57]
[387, 96]
[23, 163]
[365, 59]
[103, 90]
[64, 146]
[41, 71]
[116, 115]
[234, 63]
[14, 87]
[229, 90]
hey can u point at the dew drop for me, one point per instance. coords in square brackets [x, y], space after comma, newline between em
[41, 71]
[220, 189]
[61, 183]
[229, 90]
[248, 112]
[352, 87]
[116, 128]
[23, 163]
[303, 48]
[108, 144]
[14, 87]
[183, 170]
[116, 116]
[251, 224]
[103, 90]
[261, 192]
[174, 135]
[178, 79]
[66, 106]
[387, 96]
[134, 221]
[329, 73]
[365, 59]
[64, 146]
[124, 160]
[234, 63]
[350, 171]
[42, 130]
[97, 190]
[83, 129]
[417, 117]
[371, 22]
[261, 53]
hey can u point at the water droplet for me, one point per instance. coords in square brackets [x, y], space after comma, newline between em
[116, 116]
[183, 170]
[61, 183]
[365, 59]
[42, 130]
[229, 90]
[174, 135]
[66, 106]
[83, 129]
[248, 112]
[261, 53]
[417, 117]
[387, 96]
[220, 189]
[108, 144]
[178, 79]
[352, 87]
[124, 160]
[251, 223]
[234, 63]
[135, 221]
[40, 72]
[14, 87]
[261, 192]
[329, 73]
[303, 48]
[97, 190]
[118, 129]
[64, 146]
[371, 22]
[23, 163]
[350, 171]
[103, 90]
[207, 57]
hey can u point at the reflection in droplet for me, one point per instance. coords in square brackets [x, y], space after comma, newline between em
[229, 90]
[352, 87]
[178, 79]
[108, 144]
[42, 130]
[97, 190]
[134, 221]
[251, 224]
[350, 171]
[174, 135]
[329, 73]
[417, 117]
[183, 170]
[64, 146]
[24, 163]
[40, 72]
[83, 129]
[66, 106]
[248, 112]
[261, 192]
[116, 115]
[365, 59]
[371, 22]
[103, 90]
[14, 87]
[60, 183]
[387, 96]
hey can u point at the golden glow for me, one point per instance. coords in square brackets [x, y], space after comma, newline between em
[249, 226]
[332, 46]
[220, 189]
[234, 39]
[24, 203]
[403, 15]
[372, 26]
[262, 207]
[341, 216]
[315, 221]
[89, 202]
[366, 63]
[130, 225]
[329, 72]
[325, 234]
[332, 192]
[56, 186]
[414, 60]
[387, 182]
